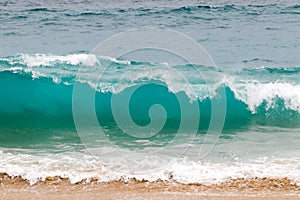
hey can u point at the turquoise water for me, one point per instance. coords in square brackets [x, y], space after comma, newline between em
[45, 45]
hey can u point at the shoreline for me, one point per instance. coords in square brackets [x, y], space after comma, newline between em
[61, 188]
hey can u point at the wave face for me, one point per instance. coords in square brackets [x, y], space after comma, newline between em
[37, 90]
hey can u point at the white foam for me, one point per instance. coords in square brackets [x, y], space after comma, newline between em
[254, 93]
[125, 62]
[78, 167]
[50, 60]
[37, 60]
[214, 173]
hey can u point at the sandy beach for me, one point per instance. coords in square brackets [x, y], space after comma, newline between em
[58, 188]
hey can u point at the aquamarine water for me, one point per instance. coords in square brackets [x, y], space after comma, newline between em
[255, 47]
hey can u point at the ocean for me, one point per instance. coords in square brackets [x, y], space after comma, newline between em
[69, 110]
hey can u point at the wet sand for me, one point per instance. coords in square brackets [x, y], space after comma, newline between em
[58, 188]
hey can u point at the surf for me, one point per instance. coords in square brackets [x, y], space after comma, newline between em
[37, 89]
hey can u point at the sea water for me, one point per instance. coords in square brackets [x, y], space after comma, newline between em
[45, 45]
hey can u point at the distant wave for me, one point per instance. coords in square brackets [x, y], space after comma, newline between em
[274, 70]
[104, 13]
[251, 9]
[41, 10]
